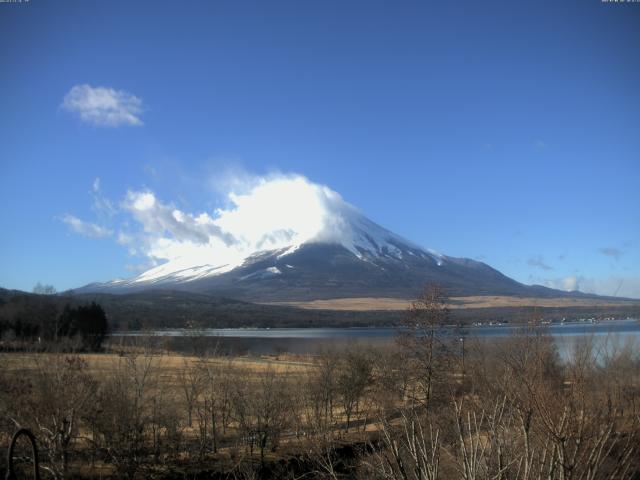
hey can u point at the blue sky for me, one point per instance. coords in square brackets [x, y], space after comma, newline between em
[503, 131]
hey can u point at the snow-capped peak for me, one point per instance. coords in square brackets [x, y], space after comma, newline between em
[278, 214]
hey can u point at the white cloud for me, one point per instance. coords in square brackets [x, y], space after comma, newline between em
[102, 206]
[104, 106]
[261, 213]
[570, 283]
[124, 238]
[283, 210]
[159, 219]
[85, 228]
[139, 267]
[129, 241]
[614, 286]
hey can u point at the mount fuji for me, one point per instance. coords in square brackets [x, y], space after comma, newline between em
[314, 246]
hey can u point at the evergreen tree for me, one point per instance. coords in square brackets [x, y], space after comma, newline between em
[88, 321]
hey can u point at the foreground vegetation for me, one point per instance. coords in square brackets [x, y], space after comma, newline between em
[512, 411]
[424, 409]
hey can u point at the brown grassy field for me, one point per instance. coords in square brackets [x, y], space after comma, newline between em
[395, 304]
[167, 376]
[170, 364]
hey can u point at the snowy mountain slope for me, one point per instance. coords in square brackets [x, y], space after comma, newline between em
[285, 238]
[358, 258]
[366, 240]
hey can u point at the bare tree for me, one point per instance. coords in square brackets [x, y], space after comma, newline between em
[392, 379]
[354, 376]
[41, 289]
[426, 315]
[410, 450]
[321, 388]
[125, 405]
[190, 380]
[262, 410]
[61, 391]
[213, 401]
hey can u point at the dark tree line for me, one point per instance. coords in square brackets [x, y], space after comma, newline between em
[43, 318]
[87, 321]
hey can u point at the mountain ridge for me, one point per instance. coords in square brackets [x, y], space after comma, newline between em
[316, 271]
[340, 253]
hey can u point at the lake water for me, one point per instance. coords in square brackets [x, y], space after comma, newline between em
[310, 340]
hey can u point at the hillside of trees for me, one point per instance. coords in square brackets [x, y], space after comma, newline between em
[175, 309]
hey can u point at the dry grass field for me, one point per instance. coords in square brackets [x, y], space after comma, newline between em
[170, 364]
[395, 304]
[266, 385]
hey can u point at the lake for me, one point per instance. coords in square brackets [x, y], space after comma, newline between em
[310, 340]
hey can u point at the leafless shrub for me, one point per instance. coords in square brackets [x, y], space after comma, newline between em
[52, 404]
[409, 450]
[426, 350]
[261, 410]
[124, 406]
[191, 382]
[354, 375]
[320, 387]
[213, 402]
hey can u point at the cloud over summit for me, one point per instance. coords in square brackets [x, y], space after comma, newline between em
[260, 213]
